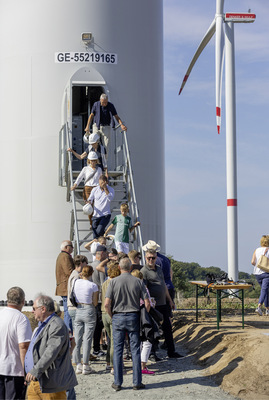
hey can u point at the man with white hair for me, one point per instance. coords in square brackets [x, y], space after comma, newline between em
[48, 366]
[15, 333]
[102, 114]
[64, 267]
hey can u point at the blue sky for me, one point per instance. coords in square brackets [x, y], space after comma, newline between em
[196, 223]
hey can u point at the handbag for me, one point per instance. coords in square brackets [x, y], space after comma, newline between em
[72, 296]
[263, 262]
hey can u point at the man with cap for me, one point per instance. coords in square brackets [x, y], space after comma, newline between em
[100, 198]
[90, 175]
[154, 280]
[94, 145]
[102, 115]
[99, 278]
[165, 264]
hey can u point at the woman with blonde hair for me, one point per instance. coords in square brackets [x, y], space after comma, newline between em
[86, 293]
[261, 276]
[90, 174]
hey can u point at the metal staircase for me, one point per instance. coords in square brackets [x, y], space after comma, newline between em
[120, 178]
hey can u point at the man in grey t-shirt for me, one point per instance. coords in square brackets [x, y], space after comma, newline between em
[123, 305]
[154, 280]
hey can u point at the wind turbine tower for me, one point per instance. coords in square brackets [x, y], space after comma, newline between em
[223, 26]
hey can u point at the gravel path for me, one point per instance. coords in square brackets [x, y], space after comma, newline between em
[173, 379]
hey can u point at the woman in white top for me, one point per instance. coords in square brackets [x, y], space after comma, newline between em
[261, 276]
[91, 175]
[86, 293]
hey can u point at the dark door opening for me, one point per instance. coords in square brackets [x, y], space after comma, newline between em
[83, 98]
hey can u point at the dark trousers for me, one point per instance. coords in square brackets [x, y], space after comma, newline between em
[98, 328]
[167, 328]
[99, 225]
[12, 388]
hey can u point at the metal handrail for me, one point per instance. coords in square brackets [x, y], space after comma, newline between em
[132, 189]
[65, 145]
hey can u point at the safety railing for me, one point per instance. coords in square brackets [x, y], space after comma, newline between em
[121, 159]
[66, 175]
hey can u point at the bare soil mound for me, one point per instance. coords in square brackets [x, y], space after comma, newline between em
[235, 358]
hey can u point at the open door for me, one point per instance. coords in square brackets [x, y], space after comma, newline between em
[83, 89]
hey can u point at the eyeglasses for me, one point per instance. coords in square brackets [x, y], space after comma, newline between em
[35, 308]
[151, 258]
[70, 245]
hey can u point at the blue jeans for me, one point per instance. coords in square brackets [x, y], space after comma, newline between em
[129, 323]
[263, 281]
[84, 327]
[99, 225]
[67, 319]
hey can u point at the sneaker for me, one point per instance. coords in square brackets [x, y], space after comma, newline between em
[87, 370]
[175, 355]
[79, 369]
[112, 371]
[155, 358]
[93, 358]
[99, 353]
[267, 312]
[116, 387]
[147, 372]
[138, 387]
[259, 311]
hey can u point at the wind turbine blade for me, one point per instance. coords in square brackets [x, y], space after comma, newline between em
[219, 56]
[210, 32]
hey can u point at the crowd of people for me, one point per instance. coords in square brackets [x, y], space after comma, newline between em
[114, 307]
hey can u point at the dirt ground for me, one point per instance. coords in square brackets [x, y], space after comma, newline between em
[235, 358]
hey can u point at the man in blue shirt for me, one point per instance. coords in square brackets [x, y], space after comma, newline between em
[102, 114]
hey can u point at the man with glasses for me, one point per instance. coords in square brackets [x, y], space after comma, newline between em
[64, 267]
[154, 280]
[48, 366]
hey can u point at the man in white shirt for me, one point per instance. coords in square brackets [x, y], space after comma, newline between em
[101, 197]
[15, 333]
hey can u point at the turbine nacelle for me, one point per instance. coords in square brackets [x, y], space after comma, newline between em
[218, 28]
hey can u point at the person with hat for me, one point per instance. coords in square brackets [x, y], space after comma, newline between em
[102, 115]
[165, 264]
[90, 174]
[94, 145]
[154, 280]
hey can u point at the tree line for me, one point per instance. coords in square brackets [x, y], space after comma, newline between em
[183, 272]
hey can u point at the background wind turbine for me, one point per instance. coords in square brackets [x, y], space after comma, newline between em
[223, 26]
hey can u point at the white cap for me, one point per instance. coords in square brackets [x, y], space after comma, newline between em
[93, 138]
[87, 209]
[92, 156]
